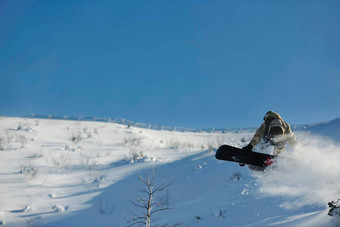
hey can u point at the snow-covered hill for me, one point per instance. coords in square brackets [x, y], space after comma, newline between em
[328, 129]
[79, 173]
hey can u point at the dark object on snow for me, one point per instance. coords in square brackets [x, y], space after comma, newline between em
[234, 154]
[198, 218]
[334, 208]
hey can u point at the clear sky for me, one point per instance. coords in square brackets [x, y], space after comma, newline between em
[177, 63]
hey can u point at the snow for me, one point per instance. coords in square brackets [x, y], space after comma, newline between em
[82, 173]
[308, 174]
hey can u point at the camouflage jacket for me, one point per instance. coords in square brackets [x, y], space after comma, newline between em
[261, 132]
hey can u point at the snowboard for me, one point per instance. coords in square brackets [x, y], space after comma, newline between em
[234, 154]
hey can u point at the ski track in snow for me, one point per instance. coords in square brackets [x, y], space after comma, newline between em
[72, 173]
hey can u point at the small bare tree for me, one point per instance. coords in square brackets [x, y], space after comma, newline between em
[150, 203]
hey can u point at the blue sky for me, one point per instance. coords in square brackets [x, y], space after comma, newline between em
[178, 63]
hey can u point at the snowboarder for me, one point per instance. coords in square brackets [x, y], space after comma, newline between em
[273, 131]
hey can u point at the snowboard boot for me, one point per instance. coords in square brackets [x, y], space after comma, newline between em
[242, 164]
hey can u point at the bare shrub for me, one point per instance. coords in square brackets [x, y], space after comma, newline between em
[95, 177]
[133, 143]
[30, 171]
[149, 203]
[24, 128]
[211, 148]
[176, 144]
[2, 144]
[90, 163]
[61, 160]
[21, 139]
[135, 155]
[76, 137]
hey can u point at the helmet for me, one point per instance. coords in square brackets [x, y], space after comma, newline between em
[270, 115]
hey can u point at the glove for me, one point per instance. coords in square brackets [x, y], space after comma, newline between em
[248, 148]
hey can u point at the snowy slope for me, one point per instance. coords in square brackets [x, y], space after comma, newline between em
[328, 129]
[78, 173]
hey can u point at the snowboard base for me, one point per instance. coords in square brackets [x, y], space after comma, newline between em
[234, 154]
